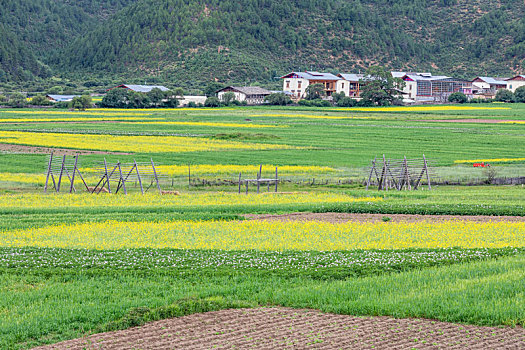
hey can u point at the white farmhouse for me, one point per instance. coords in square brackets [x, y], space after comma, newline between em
[515, 82]
[295, 83]
[253, 95]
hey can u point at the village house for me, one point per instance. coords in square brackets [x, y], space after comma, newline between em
[515, 82]
[350, 84]
[61, 98]
[487, 87]
[253, 95]
[141, 88]
[185, 100]
[296, 83]
[425, 87]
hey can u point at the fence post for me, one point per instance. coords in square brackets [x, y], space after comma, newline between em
[73, 177]
[276, 179]
[239, 183]
[61, 172]
[155, 173]
[48, 171]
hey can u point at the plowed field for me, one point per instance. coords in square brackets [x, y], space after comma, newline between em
[285, 328]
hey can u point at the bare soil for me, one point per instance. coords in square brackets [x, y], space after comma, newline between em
[285, 328]
[10, 148]
[346, 217]
[480, 121]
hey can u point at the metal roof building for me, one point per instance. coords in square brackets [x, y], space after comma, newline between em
[142, 88]
[61, 98]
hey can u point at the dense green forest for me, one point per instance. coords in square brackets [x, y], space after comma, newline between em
[187, 42]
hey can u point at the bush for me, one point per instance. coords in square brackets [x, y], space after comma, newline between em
[519, 94]
[212, 102]
[40, 100]
[504, 95]
[191, 104]
[17, 100]
[346, 102]
[278, 99]
[457, 97]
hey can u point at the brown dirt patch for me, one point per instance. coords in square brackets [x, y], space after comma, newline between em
[480, 121]
[346, 217]
[10, 148]
[285, 328]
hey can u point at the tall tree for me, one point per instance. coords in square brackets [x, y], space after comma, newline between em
[380, 87]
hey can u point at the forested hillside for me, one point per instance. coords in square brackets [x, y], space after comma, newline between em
[37, 29]
[191, 41]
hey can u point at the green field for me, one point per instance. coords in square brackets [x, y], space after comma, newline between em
[77, 264]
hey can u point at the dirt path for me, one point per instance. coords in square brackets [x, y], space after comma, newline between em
[10, 148]
[345, 217]
[284, 328]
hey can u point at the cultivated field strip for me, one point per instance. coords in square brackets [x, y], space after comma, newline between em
[285, 328]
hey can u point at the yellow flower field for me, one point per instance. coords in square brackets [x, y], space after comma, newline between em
[229, 169]
[23, 178]
[143, 144]
[100, 112]
[72, 119]
[494, 160]
[275, 236]
[87, 200]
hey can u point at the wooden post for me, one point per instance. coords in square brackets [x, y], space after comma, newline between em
[371, 171]
[82, 178]
[426, 169]
[239, 183]
[122, 178]
[48, 171]
[61, 172]
[156, 178]
[138, 176]
[276, 179]
[246, 187]
[383, 173]
[73, 176]
[407, 174]
[258, 178]
[189, 177]
[107, 176]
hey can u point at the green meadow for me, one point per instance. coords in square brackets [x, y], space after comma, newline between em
[50, 293]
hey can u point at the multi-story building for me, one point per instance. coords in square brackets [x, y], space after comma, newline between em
[296, 83]
[425, 87]
[515, 82]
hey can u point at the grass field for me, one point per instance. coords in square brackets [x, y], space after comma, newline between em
[77, 264]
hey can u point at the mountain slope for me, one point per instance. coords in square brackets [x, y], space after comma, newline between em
[252, 40]
[187, 42]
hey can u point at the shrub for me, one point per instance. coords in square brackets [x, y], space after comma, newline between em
[346, 102]
[504, 95]
[519, 94]
[212, 102]
[457, 97]
[277, 99]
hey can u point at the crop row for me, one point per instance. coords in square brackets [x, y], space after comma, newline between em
[144, 144]
[270, 236]
[355, 261]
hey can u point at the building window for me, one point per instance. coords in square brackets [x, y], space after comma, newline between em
[299, 84]
[342, 85]
[288, 84]
[510, 87]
